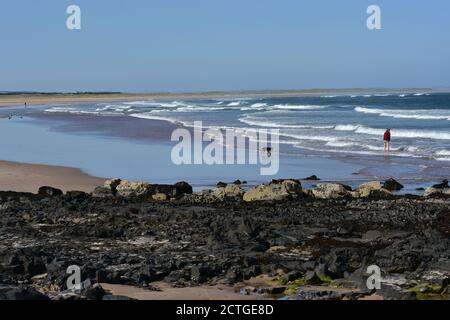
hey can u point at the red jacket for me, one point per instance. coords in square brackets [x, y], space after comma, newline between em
[387, 136]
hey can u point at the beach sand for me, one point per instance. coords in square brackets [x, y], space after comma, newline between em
[167, 292]
[22, 177]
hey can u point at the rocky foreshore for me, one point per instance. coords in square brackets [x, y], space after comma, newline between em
[276, 240]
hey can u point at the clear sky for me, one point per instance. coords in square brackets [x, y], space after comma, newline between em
[203, 45]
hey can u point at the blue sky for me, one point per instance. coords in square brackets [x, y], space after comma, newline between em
[203, 45]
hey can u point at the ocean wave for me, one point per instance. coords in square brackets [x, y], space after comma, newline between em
[234, 104]
[272, 124]
[443, 153]
[118, 108]
[81, 112]
[200, 109]
[298, 107]
[401, 133]
[349, 151]
[310, 137]
[340, 144]
[420, 114]
[150, 116]
[173, 104]
[361, 145]
[259, 105]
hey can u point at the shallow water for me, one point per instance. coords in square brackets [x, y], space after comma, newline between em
[352, 124]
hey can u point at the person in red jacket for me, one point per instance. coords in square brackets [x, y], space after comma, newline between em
[387, 140]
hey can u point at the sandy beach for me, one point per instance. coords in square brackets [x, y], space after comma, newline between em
[22, 177]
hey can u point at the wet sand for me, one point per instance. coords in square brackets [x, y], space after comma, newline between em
[169, 293]
[22, 177]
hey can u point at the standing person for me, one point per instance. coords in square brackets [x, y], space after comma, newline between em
[387, 140]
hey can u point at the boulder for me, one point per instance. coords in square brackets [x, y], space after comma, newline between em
[21, 293]
[278, 190]
[128, 189]
[392, 185]
[331, 191]
[372, 189]
[160, 197]
[436, 192]
[102, 192]
[312, 178]
[221, 184]
[112, 184]
[443, 185]
[231, 191]
[172, 191]
[183, 188]
[49, 191]
[312, 278]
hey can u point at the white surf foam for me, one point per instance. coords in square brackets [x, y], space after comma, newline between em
[420, 114]
[272, 124]
[401, 133]
[234, 104]
[150, 116]
[298, 107]
[443, 153]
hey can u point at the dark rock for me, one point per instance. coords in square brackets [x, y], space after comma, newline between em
[312, 278]
[146, 273]
[317, 295]
[21, 293]
[200, 274]
[393, 292]
[172, 191]
[271, 290]
[112, 185]
[313, 178]
[292, 276]
[77, 195]
[96, 292]
[176, 276]
[251, 272]
[134, 241]
[392, 185]
[49, 191]
[102, 192]
[221, 184]
[183, 188]
[443, 185]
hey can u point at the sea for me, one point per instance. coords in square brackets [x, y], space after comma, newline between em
[353, 124]
[339, 137]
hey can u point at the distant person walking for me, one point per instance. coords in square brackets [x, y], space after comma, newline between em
[387, 140]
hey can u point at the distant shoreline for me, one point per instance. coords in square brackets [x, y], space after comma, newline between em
[9, 99]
